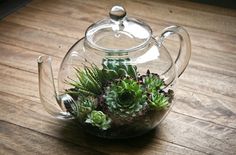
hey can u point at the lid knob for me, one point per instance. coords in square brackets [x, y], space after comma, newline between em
[117, 12]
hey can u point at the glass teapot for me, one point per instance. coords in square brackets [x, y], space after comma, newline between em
[117, 81]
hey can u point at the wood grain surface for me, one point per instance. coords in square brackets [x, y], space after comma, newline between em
[203, 120]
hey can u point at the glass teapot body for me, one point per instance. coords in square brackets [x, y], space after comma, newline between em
[129, 94]
[117, 81]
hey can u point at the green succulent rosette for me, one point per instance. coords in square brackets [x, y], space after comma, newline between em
[84, 106]
[157, 98]
[99, 119]
[125, 98]
[152, 82]
[119, 68]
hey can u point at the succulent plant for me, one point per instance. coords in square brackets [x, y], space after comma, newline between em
[125, 98]
[84, 106]
[157, 98]
[118, 68]
[90, 81]
[158, 101]
[152, 82]
[99, 119]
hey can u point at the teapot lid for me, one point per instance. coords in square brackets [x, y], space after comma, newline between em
[118, 33]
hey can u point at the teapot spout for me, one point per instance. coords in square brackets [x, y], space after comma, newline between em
[47, 91]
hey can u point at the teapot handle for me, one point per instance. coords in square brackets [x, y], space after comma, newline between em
[184, 53]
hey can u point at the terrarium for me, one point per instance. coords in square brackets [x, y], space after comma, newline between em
[118, 81]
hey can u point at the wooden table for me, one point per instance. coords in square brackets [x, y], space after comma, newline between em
[203, 120]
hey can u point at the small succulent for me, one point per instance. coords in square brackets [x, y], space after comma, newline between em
[152, 82]
[157, 98]
[85, 106]
[118, 68]
[99, 119]
[158, 101]
[125, 98]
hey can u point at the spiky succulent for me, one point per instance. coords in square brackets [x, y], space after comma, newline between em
[125, 98]
[90, 81]
[99, 119]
